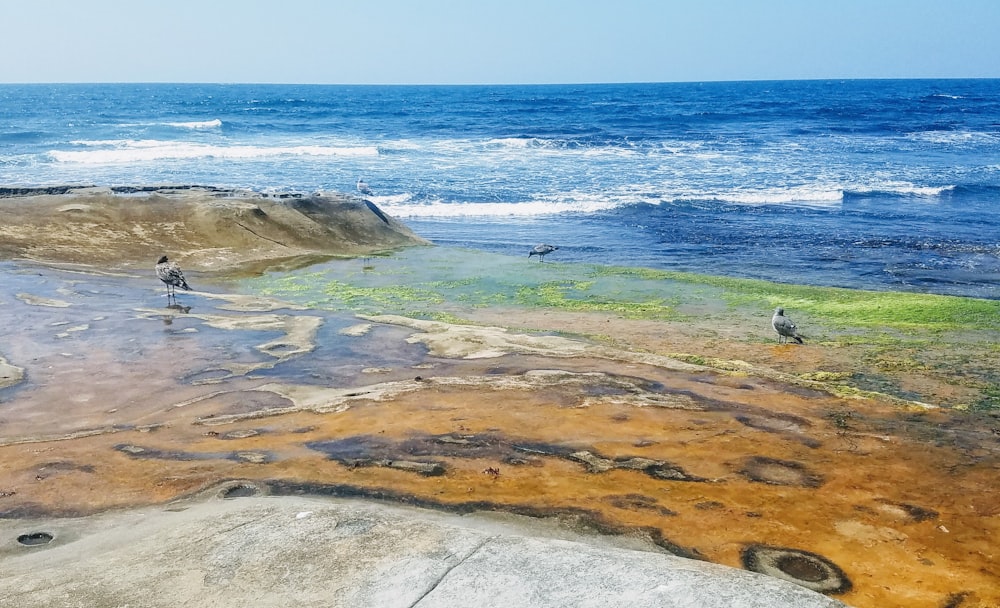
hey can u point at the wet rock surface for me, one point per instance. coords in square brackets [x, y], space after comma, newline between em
[125, 402]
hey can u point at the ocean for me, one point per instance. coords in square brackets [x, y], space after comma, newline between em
[873, 184]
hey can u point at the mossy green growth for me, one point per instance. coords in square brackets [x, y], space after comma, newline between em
[826, 376]
[318, 290]
[576, 296]
[431, 277]
[839, 307]
[989, 400]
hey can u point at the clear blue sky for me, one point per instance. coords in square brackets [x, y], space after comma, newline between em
[495, 41]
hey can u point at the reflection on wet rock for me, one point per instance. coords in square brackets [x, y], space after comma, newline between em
[298, 338]
[34, 300]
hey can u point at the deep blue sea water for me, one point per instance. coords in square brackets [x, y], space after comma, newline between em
[870, 184]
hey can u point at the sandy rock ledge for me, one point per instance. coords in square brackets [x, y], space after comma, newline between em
[204, 229]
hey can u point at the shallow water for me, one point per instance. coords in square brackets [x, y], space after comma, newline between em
[612, 405]
[876, 184]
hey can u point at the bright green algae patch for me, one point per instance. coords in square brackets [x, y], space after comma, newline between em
[841, 307]
[890, 335]
[424, 280]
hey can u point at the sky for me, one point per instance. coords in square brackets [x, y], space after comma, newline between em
[495, 42]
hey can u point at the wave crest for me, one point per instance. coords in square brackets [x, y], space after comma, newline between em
[197, 124]
[128, 151]
[444, 209]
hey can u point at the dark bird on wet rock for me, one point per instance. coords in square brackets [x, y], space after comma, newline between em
[541, 250]
[784, 326]
[364, 188]
[170, 273]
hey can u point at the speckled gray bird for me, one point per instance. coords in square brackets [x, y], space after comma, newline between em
[784, 326]
[170, 273]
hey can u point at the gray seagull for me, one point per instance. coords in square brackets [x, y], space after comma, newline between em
[541, 250]
[363, 188]
[784, 326]
[170, 273]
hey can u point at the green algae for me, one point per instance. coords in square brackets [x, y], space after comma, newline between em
[889, 335]
[426, 279]
[989, 400]
[579, 296]
[838, 307]
[422, 281]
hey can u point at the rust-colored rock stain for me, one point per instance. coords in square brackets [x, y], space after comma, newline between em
[902, 501]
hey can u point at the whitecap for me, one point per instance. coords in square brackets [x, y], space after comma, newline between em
[439, 208]
[128, 151]
[954, 138]
[197, 124]
[803, 195]
[902, 188]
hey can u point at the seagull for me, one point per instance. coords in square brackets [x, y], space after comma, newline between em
[363, 188]
[784, 326]
[170, 273]
[541, 250]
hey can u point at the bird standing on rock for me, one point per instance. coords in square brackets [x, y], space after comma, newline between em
[784, 326]
[363, 188]
[541, 250]
[170, 273]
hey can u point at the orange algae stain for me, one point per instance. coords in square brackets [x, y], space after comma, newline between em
[903, 511]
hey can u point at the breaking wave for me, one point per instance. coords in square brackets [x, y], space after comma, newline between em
[128, 151]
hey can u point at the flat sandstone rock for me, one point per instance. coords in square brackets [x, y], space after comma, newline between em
[302, 551]
[205, 229]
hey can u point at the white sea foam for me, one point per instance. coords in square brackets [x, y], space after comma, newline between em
[955, 138]
[127, 151]
[391, 199]
[192, 124]
[805, 195]
[514, 142]
[902, 188]
[196, 124]
[520, 209]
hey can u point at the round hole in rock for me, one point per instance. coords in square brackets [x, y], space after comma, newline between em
[242, 490]
[35, 539]
[804, 568]
[801, 568]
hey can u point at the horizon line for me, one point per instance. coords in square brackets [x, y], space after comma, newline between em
[489, 84]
